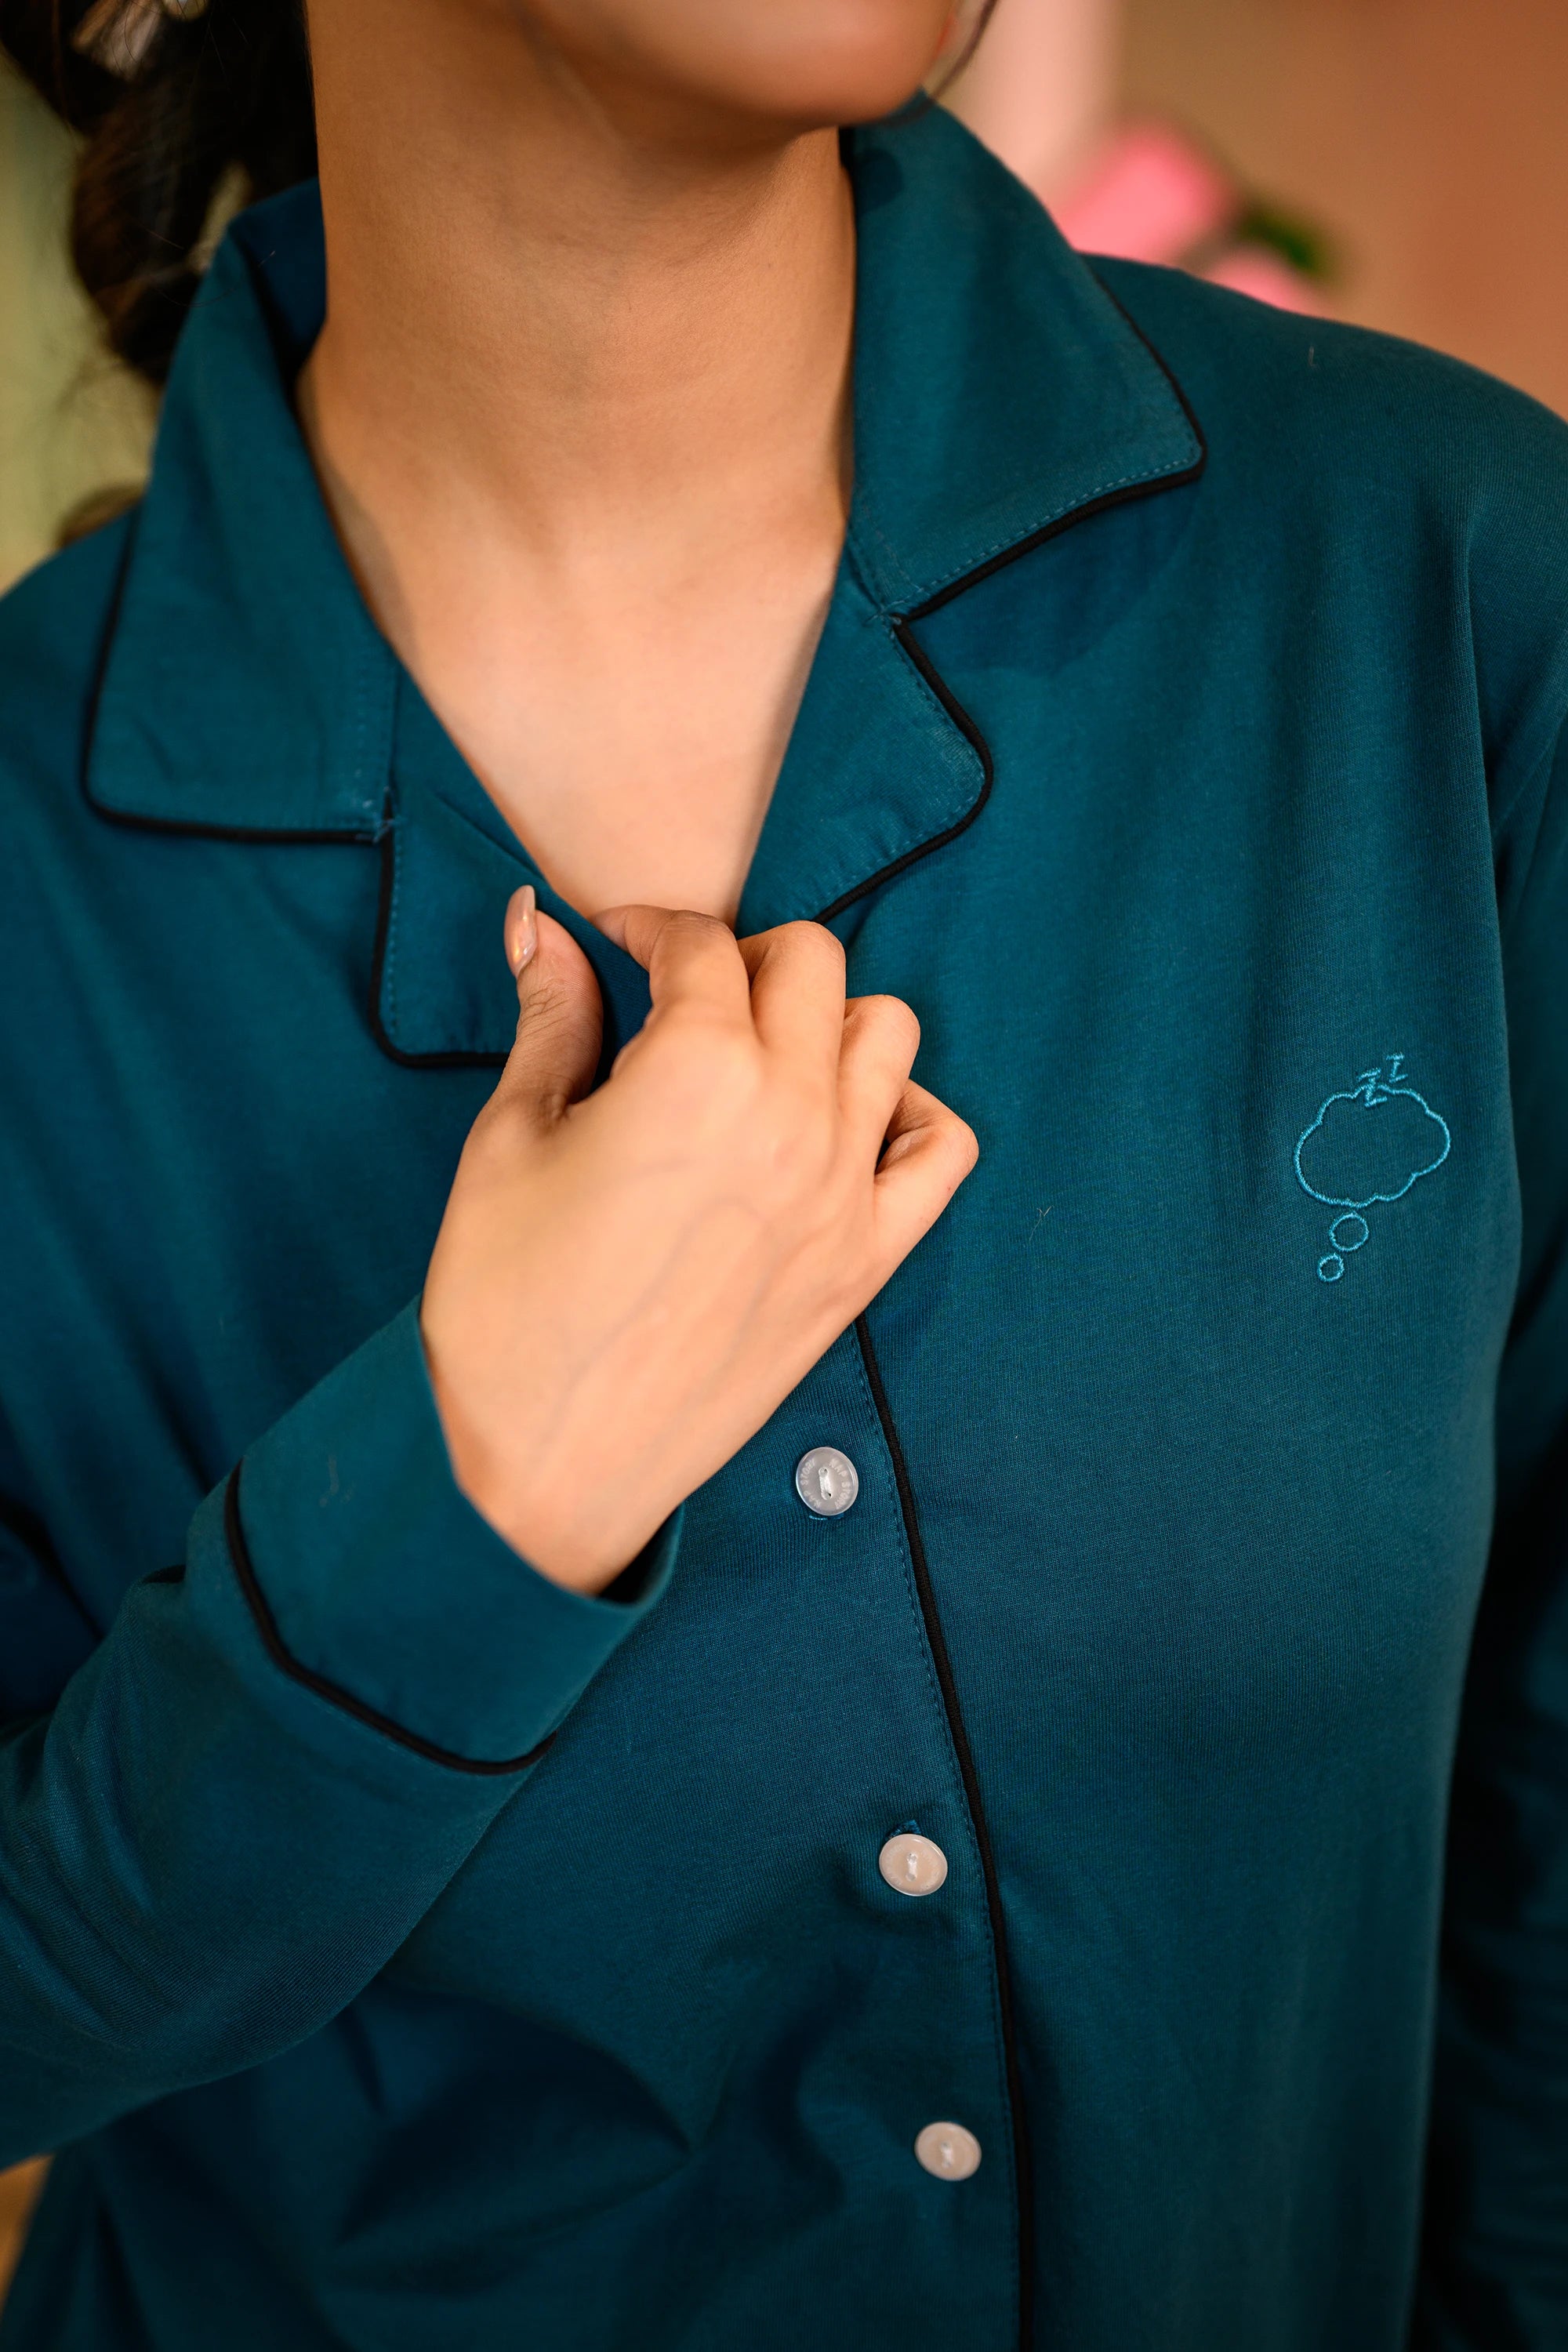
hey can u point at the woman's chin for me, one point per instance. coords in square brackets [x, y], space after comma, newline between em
[798, 62]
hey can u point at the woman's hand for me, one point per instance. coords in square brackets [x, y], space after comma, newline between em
[625, 1283]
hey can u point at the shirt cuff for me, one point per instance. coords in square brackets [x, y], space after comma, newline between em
[373, 1580]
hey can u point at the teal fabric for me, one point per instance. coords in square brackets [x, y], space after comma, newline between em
[1184, 744]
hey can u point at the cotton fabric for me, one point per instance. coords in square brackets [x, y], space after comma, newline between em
[402, 1952]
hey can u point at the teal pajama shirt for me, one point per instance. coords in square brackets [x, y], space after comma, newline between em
[402, 1952]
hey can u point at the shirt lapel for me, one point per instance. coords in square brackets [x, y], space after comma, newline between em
[245, 687]
[999, 395]
[441, 993]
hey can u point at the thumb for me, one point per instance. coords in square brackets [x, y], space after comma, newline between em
[560, 1014]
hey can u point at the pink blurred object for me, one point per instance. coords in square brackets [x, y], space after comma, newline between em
[1155, 194]
[1267, 277]
[1152, 195]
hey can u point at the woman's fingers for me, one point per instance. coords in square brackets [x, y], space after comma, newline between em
[691, 960]
[797, 993]
[559, 1014]
[619, 1297]
[789, 982]
[877, 1051]
[929, 1151]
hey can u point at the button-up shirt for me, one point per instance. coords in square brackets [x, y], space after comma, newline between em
[404, 1952]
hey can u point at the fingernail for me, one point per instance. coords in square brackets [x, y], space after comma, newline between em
[521, 929]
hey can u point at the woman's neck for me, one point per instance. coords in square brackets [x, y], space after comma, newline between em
[553, 323]
[581, 370]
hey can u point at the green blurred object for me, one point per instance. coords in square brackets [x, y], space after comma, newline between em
[73, 422]
[1301, 243]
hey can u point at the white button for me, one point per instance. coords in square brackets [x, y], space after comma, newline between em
[827, 1481]
[948, 2151]
[915, 1865]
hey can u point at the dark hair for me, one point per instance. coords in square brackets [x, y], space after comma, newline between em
[220, 89]
[218, 98]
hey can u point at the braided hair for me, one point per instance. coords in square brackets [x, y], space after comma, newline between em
[179, 106]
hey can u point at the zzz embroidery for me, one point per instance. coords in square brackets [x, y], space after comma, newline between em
[1367, 1147]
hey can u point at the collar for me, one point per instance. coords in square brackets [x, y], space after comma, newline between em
[999, 391]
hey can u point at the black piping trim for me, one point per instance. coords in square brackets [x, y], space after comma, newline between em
[903, 630]
[272, 1641]
[1161, 362]
[382, 839]
[911, 645]
[1126, 496]
[903, 625]
[454, 1061]
[1022, 2161]
[294, 837]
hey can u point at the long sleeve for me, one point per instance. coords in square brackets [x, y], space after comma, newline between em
[1495, 2275]
[277, 1758]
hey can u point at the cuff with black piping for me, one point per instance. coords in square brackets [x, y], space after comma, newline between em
[374, 1583]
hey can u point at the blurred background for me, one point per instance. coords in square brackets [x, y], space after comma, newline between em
[1397, 162]
[1400, 163]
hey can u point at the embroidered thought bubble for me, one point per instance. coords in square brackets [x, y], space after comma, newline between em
[1367, 1147]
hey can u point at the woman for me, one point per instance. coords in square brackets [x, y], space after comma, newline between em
[626, 1729]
